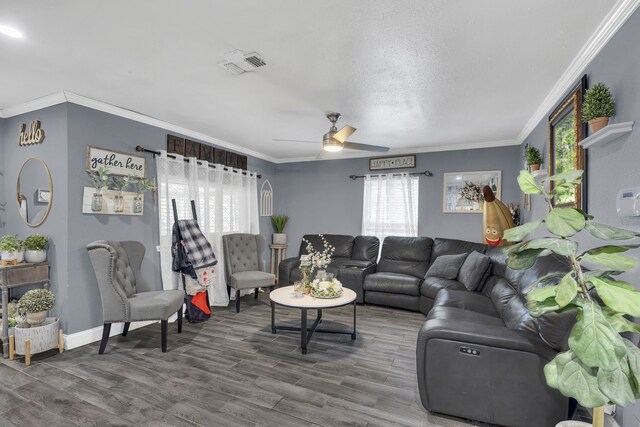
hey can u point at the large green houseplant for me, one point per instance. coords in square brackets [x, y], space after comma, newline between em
[601, 366]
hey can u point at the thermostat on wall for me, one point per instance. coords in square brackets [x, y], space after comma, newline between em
[628, 202]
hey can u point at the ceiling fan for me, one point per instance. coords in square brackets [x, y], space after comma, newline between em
[335, 140]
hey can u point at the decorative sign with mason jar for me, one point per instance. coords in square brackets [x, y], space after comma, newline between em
[112, 202]
[116, 162]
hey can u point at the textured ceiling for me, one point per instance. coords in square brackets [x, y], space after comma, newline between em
[407, 74]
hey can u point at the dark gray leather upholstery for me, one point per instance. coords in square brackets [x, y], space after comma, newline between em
[394, 283]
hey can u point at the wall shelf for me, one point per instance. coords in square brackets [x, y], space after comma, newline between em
[607, 134]
[540, 173]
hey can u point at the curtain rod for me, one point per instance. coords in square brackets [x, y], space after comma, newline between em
[141, 149]
[425, 173]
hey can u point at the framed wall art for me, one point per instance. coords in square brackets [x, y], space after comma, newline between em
[462, 191]
[116, 162]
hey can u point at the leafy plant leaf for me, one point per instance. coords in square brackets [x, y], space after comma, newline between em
[564, 222]
[619, 296]
[567, 290]
[594, 341]
[523, 260]
[610, 249]
[633, 359]
[606, 232]
[584, 214]
[575, 380]
[617, 385]
[612, 261]
[619, 322]
[538, 308]
[573, 176]
[540, 294]
[516, 234]
[528, 183]
[561, 247]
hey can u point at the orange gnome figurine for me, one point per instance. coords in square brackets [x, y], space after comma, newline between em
[496, 218]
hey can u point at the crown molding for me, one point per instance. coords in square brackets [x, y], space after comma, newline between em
[610, 25]
[33, 105]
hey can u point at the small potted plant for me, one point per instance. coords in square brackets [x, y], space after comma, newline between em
[35, 304]
[119, 184]
[100, 180]
[36, 248]
[533, 157]
[279, 222]
[597, 107]
[141, 186]
[11, 248]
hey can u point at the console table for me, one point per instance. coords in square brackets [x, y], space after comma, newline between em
[278, 252]
[14, 276]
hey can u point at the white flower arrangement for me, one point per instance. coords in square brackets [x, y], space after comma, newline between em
[326, 288]
[316, 260]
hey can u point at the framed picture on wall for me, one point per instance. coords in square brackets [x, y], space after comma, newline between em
[462, 191]
[565, 154]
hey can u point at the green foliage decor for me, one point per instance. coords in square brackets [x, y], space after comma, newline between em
[279, 222]
[37, 300]
[36, 242]
[10, 243]
[598, 102]
[533, 156]
[600, 367]
[142, 185]
[99, 178]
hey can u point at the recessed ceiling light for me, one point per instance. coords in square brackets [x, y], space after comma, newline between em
[10, 31]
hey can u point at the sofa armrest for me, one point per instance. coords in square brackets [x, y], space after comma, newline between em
[352, 277]
[354, 263]
[284, 270]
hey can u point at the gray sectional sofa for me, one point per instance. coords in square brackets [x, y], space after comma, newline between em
[480, 353]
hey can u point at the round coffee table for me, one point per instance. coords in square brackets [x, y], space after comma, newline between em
[286, 297]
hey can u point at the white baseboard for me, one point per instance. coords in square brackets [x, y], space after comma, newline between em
[81, 338]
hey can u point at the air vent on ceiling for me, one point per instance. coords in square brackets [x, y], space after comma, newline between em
[236, 62]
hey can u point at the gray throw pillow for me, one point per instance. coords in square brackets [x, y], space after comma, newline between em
[446, 266]
[473, 270]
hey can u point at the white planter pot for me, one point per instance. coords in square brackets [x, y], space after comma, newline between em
[279, 238]
[20, 255]
[35, 256]
[9, 255]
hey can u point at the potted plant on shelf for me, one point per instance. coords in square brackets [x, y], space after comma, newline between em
[601, 367]
[597, 107]
[141, 186]
[35, 304]
[36, 248]
[100, 180]
[279, 222]
[11, 248]
[533, 157]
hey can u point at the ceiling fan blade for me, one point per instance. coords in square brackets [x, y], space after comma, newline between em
[365, 147]
[344, 133]
[297, 140]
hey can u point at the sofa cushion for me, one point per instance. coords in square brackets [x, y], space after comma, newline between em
[394, 283]
[455, 315]
[446, 266]
[473, 270]
[343, 244]
[432, 285]
[406, 255]
[155, 305]
[365, 248]
[453, 247]
[251, 279]
[466, 300]
[499, 266]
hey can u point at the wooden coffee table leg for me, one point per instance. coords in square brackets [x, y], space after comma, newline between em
[303, 330]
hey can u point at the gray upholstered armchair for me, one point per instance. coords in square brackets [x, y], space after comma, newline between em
[126, 296]
[244, 266]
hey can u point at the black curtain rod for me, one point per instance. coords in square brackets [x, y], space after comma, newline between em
[141, 149]
[425, 173]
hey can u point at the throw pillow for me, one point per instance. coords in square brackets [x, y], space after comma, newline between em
[446, 266]
[473, 270]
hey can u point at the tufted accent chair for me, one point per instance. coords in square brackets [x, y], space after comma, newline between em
[126, 296]
[244, 266]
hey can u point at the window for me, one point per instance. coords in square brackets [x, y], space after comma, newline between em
[390, 205]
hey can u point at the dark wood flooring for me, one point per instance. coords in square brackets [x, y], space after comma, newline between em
[229, 371]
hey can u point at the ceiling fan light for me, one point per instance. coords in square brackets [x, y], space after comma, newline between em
[333, 148]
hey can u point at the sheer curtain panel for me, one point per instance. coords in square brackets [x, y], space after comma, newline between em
[226, 202]
[390, 205]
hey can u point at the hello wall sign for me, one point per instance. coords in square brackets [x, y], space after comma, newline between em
[33, 135]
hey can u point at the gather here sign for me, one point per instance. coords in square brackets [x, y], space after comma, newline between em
[116, 162]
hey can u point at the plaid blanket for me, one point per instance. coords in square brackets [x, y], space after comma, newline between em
[195, 249]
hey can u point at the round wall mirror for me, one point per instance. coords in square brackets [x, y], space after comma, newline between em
[34, 192]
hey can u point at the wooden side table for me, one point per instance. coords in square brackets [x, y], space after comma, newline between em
[278, 252]
[14, 276]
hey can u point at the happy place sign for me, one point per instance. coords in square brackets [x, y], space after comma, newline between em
[116, 162]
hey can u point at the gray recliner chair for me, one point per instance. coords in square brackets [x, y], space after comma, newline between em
[244, 266]
[126, 296]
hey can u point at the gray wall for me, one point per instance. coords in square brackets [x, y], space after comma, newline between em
[615, 165]
[321, 198]
[3, 199]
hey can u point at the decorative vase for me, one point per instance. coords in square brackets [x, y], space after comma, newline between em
[36, 319]
[535, 167]
[118, 203]
[35, 256]
[96, 202]
[321, 275]
[137, 204]
[598, 123]
[279, 238]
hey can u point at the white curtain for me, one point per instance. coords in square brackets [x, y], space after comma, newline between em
[390, 205]
[226, 202]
